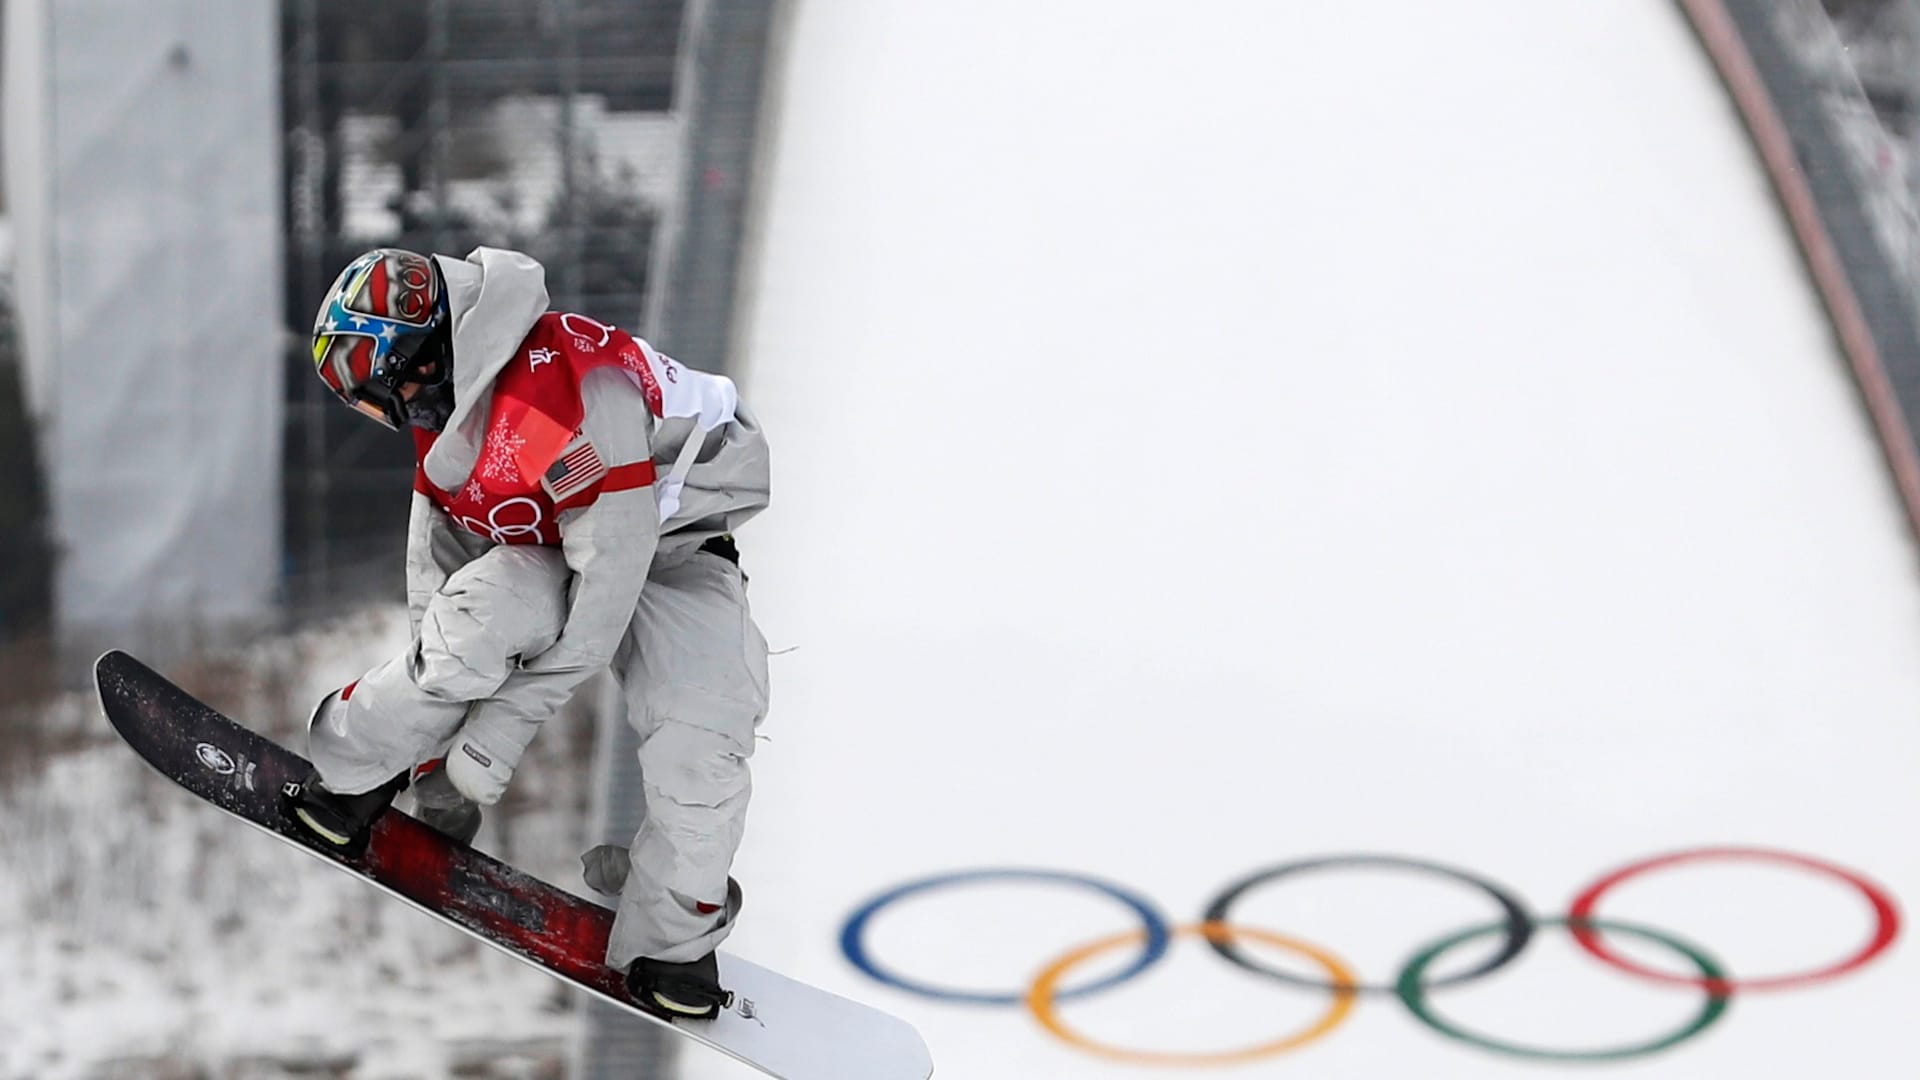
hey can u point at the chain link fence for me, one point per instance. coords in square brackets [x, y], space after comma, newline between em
[539, 125]
[1839, 177]
[1850, 65]
[545, 126]
[611, 139]
[724, 60]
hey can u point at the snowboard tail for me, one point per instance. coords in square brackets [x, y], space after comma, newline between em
[780, 1026]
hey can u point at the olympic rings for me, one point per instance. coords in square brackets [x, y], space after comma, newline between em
[1411, 987]
[1886, 919]
[1518, 924]
[506, 532]
[1414, 993]
[853, 934]
[1042, 998]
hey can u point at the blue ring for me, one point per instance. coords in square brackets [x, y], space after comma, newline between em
[853, 935]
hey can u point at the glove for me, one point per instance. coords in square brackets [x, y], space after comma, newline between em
[606, 868]
[478, 773]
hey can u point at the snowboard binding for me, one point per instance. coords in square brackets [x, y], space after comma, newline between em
[339, 822]
[688, 991]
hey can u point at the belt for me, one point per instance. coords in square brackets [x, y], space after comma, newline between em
[724, 547]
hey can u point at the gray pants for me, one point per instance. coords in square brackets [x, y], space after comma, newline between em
[693, 672]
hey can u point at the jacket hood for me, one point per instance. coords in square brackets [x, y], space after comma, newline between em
[494, 298]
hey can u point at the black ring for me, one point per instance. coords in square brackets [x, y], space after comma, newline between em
[1519, 924]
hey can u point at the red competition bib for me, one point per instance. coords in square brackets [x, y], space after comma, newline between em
[535, 464]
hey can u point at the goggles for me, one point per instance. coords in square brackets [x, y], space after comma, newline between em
[382, 401]
[380, 397]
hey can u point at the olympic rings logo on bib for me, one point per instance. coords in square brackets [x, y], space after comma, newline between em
[595, 335]
[1513, 930]
[506, 532]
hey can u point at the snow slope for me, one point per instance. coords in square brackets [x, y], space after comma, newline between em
[1221, 435]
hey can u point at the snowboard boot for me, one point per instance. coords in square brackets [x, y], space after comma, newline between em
[688, 991]
[341, 821]
[440, 806]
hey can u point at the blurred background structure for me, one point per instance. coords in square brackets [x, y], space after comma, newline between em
[144, 195]
[1841, 158]
[183, 180]
[539, 125]
[1867, 53]
[719, 83]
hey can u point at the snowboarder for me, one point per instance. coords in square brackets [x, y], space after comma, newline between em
[573, 510]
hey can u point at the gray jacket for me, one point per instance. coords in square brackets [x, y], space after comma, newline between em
[609, 545]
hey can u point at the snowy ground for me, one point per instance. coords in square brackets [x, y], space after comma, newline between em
[1217, 435]
[149, 936]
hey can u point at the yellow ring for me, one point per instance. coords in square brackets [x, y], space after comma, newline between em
[1041, 998]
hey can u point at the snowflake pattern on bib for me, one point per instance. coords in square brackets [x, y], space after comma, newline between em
[533, 464]
[498, 462]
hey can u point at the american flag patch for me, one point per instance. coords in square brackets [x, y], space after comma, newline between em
[578, 469]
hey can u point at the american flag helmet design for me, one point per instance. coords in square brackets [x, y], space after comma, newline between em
[378, 311]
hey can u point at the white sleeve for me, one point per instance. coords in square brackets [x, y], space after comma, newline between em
[433, 553]
[608, 545]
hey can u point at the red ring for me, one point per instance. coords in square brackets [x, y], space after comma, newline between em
[1886, 920]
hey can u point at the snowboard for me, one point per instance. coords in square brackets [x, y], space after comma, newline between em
[780, 1026]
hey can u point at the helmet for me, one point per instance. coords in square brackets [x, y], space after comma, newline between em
[383, 324]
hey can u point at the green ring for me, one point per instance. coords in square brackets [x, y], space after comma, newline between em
[1414, 993]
